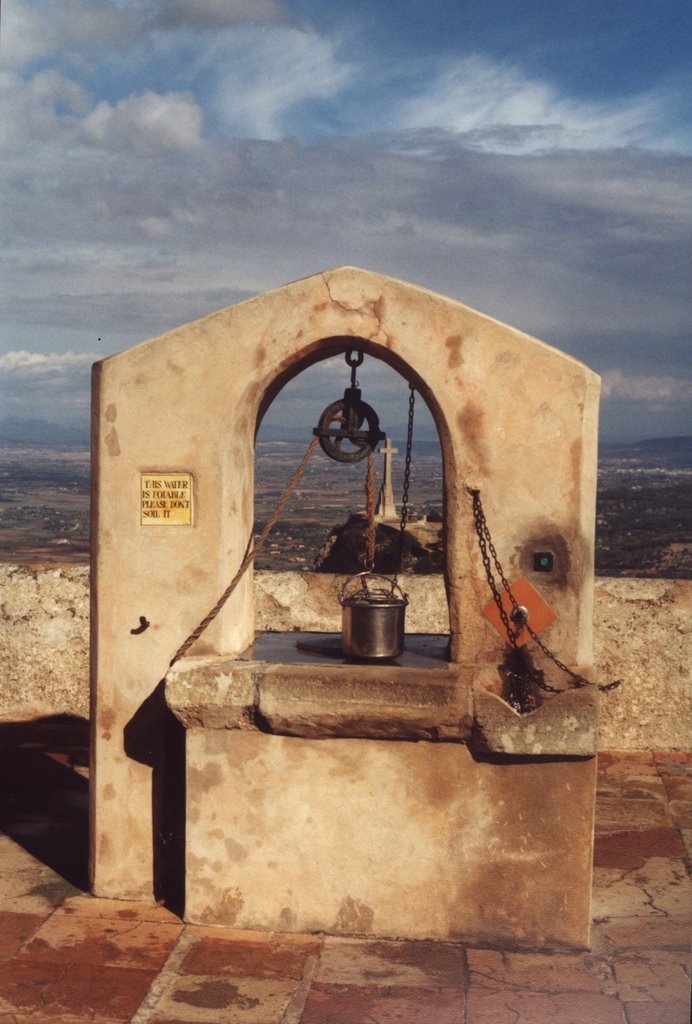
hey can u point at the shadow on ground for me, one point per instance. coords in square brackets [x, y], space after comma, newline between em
[44, 792]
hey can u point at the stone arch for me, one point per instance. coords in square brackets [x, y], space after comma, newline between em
[328, 347]
[303, 356]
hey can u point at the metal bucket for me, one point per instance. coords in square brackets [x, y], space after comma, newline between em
[372, 619]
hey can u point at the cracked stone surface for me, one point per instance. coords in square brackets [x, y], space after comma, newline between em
[660, 888]
[68, 958]
[653, 976]
[540, 972]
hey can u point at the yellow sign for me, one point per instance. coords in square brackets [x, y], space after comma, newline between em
[166, 499]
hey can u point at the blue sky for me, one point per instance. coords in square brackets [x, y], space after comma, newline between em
[165, 158]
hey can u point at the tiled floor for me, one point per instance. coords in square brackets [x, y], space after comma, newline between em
[66, 958]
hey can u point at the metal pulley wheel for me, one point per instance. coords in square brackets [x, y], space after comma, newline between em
[341, 425]
[348, 430]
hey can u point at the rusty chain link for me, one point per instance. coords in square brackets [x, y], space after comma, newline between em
[486, 545]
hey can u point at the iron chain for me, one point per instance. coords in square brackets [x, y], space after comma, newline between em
[486, 545]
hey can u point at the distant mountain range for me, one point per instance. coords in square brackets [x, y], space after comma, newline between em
[41, 432]
[682, 444]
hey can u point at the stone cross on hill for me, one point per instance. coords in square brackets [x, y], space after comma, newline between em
[386, 508]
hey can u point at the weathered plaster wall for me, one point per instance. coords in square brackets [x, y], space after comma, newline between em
[642, 635]
[447, 846]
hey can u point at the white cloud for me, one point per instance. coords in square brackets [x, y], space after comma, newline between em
[499, 108]
[246, 60]
[36, 385]
[31, 32]
[29, 110]
[264, 75]
[90, 224]
[26, 34]
[25, 366]
[660, 390]
[147, 123]
[216, 13]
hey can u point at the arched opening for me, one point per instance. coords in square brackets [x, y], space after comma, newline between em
[324, 525]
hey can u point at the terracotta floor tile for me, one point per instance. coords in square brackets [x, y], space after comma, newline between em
[27, 886]
[244, 959]
[485, 1007]
[540, 972]
[662, 757]
[92, 961]
[681, 768]
[677, 1012]
[681, 813]
[115, 943]
[623, 813]
[653, 976]
[631, 787]
[607, 758]
[87, 992]
[310, 943]
[630, 762]
[208, 931]
[658, 888]
[344, 1004]
[16, 929]
[13, 857]
[642, 933]
[686, 834]
[170, 1020]
[209, 999]
[180, 1020]
[50, 1016]
[123, 910]
[631, 848]
[678, 787]
[412, 964]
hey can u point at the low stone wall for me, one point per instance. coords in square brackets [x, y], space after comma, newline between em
[44, 640]
[642, 636]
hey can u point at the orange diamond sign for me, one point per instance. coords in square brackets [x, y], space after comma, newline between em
[541, 615]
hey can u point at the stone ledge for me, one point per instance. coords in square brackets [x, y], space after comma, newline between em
[565, 724]
[387, 702]
[367, 702]
[320, 702]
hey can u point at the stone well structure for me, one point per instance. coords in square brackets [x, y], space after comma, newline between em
[266, 790]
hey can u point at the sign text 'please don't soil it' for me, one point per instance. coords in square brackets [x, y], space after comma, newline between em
[166, 499]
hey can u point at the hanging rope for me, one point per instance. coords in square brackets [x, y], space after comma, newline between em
[407, 477]
[251, 551]
[370, 525]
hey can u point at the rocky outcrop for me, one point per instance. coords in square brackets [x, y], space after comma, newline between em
[344, 550]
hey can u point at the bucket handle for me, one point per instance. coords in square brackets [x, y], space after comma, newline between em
[362, 576]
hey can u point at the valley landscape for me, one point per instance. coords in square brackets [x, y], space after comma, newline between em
[644, 513]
